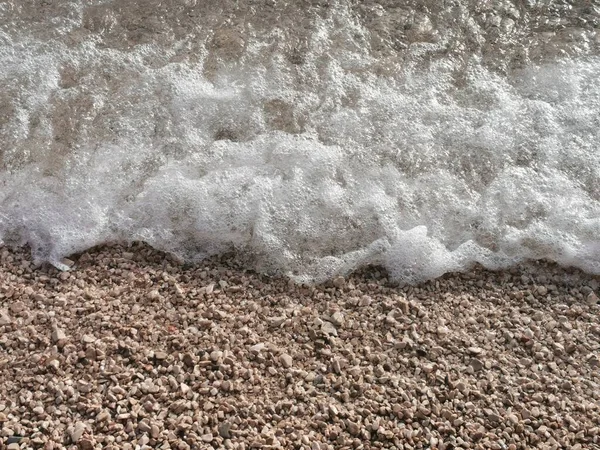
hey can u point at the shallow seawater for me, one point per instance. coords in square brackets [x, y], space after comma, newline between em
[316, 137]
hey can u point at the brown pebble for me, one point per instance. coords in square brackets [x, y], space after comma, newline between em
[339, 282]
[592, 299]
[4, 318]
[161, 356]
[353, 428]
[257, 348]
[216, 355]
[17, 307]
[188, 360]
[103, 415]
[329, 328]
[85, 444]
[337, 318]
[88, 339]
[286, 360]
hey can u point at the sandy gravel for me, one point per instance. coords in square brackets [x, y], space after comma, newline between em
[132, 349]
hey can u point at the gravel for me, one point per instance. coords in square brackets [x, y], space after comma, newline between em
[133, 349]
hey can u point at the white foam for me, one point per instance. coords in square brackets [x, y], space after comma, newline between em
[314, 169]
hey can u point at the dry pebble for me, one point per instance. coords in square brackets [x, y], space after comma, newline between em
[286, 360]
[131, 348]
[58, 335]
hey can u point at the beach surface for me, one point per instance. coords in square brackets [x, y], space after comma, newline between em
[134, 349]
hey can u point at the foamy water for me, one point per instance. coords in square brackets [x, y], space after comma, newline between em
[313, 139]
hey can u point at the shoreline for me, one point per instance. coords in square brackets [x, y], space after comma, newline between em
[132, 348]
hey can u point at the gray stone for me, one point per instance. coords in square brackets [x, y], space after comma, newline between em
[225, 430]
[476, 364]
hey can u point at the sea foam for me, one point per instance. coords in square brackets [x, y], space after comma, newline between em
[312, 165]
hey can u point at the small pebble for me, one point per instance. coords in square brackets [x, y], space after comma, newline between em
[77, 432]
[58, 335]
[286, 360]
[224, 430]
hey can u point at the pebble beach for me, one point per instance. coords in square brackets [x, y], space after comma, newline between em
[133, 349]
